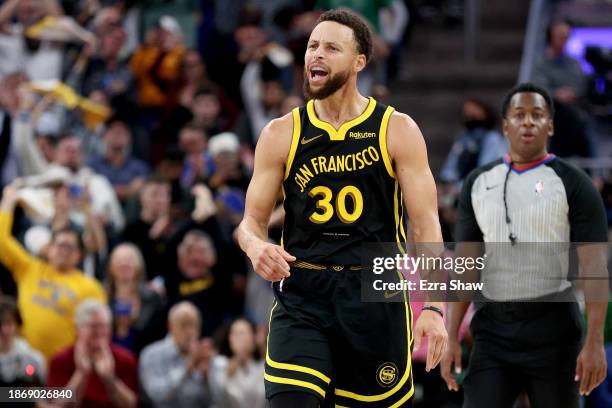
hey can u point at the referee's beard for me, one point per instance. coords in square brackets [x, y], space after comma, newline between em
[333, 83]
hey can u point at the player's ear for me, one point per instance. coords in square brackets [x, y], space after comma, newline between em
[360, 63]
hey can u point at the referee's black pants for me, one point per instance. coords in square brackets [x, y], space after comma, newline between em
[529, 347]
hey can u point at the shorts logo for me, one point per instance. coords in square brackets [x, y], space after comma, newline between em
[386, 375]
[337, 268]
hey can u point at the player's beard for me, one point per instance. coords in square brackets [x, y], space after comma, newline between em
[333, 83]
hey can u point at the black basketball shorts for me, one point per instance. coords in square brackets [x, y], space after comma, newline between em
[325, 341]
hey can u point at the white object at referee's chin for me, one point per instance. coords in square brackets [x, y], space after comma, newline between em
[36, 238]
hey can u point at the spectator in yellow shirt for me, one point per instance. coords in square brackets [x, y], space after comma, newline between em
[49, 291]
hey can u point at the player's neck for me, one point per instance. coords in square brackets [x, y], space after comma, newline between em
[345, 104]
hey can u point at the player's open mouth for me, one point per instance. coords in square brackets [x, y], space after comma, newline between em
[318, 74]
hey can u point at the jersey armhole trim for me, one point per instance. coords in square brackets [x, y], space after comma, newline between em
[382, 139]
[294, 141]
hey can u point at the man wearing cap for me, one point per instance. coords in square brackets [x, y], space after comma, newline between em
[224, 149]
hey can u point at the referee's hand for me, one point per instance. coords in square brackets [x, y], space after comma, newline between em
[591, 366]
[270, 261]
[431, 325]
[450, 358]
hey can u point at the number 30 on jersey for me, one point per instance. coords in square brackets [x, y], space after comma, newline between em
[325, 209]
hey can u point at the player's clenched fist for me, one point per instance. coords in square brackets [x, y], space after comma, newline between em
[270, 261]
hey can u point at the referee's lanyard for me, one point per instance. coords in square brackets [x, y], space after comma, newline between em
[512, 236]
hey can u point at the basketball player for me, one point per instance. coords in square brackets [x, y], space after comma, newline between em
[342, 162]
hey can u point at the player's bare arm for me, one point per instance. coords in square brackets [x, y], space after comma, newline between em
[269, 261]
[408, 153]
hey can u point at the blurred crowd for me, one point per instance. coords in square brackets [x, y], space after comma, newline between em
[127, 133]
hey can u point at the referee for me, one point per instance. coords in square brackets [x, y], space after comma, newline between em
[535, 201]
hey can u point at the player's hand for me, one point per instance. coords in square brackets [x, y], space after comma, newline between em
[431, 325]
[270, 261]
[451, 357]
[591, 367]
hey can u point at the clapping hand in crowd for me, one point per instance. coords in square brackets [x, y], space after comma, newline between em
[200, 356]
[204, 203]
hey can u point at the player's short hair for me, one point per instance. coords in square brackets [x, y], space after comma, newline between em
[361, 30]
[528, 87]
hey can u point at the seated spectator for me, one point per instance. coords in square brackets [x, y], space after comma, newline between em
[126, 173]
[138, 312]
[68, 168]
[477, 144]
[49, 291]
[236, 374]
[174, 371]
[99, 373]
[198, 164]
[20, 365]
[192, 279]
[154, 225]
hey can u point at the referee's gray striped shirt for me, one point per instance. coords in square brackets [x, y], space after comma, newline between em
[550, 204]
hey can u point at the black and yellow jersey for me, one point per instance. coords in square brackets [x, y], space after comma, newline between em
[340, 188]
